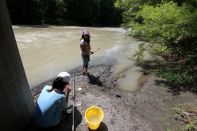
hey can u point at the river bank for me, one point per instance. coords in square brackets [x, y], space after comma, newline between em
[149, 108]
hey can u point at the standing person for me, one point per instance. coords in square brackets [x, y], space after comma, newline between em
[85, 50]
[52, 102]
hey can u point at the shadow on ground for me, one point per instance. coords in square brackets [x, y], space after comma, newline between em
[177, 77]
[102, 127]
[94, 80]
[65, 124]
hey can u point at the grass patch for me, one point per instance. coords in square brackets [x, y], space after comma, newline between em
[176, 75]
[173, 70]
[186, 114]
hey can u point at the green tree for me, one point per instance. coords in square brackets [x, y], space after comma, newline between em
[23, 11]
[80, 12]
[168, 24]
[93, 12]
[52, 11]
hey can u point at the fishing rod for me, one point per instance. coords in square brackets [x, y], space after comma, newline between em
[96, 50]
[73, 97]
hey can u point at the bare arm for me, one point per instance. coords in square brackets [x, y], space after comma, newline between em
[68, 92]
[90, 49]
[83, 48]
[89, 46]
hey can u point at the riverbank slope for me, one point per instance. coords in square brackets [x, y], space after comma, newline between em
[149, 108]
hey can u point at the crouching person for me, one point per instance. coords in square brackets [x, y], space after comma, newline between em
[52, 102]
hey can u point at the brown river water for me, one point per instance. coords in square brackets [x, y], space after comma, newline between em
[46, 51]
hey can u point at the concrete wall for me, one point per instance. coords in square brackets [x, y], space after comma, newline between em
[16, 104]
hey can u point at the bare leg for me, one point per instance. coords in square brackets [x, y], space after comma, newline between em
[86, 69]
[83, 70]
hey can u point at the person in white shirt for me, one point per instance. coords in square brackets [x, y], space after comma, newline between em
[85, 50]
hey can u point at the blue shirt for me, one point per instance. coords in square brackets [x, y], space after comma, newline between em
[49, 107]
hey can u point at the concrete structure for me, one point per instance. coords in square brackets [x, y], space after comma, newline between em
[16, 104]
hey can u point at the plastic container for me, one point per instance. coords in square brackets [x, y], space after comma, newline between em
[94, 116]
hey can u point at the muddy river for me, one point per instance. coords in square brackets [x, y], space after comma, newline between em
[46, 51]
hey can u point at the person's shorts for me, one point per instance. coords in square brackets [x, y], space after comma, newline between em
[86, 59]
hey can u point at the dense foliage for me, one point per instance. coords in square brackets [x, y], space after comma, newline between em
[170, 25]
[65, 12]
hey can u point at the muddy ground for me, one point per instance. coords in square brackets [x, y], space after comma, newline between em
[149, 108]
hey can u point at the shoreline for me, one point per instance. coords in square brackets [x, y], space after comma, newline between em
[35, 90]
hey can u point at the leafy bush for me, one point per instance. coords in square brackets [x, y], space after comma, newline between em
[170, 27]
[139, 54]
[165, 23]
[158, 49]
[162, 22]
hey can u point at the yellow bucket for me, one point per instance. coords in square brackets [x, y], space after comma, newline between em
[94, 116]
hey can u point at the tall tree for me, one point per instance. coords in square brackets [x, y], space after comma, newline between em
[23, 11]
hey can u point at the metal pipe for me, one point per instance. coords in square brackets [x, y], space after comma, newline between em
[73, 97]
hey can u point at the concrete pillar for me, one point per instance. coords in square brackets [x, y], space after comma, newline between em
[16, 104]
